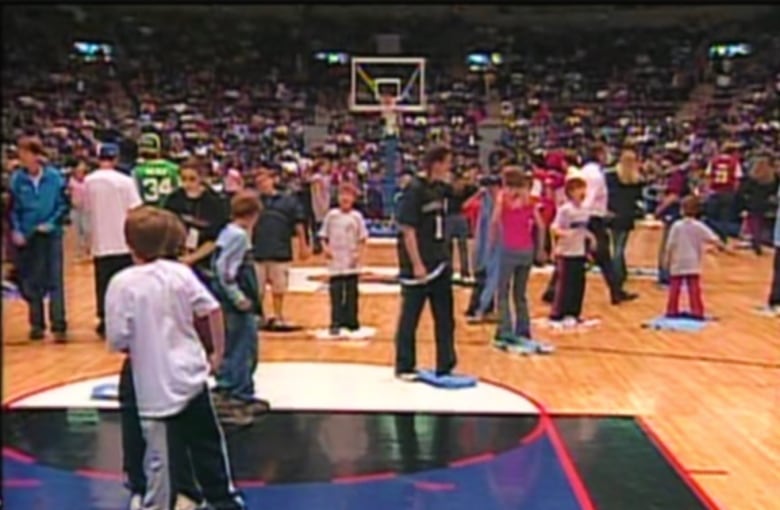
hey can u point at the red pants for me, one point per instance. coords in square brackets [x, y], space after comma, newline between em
[694, 295]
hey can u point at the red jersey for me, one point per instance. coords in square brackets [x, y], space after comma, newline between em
[724, 173]
[548, 188]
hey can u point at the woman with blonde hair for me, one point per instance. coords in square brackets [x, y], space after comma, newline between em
[756, 194]
[625, 185]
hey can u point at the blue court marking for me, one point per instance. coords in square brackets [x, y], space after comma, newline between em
[530, 477]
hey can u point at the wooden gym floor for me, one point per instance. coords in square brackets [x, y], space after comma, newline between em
[712, 397]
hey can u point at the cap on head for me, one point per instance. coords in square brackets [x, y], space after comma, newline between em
[150, 143]
[108, 151]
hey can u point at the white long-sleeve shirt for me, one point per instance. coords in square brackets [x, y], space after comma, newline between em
[596, 194]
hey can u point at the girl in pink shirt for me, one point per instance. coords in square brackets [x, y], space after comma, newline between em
[78, 202]
[517, 225]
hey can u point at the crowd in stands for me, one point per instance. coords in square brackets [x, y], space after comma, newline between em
[240, 103]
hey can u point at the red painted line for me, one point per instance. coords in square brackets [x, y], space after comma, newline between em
[434, 487]
[677, 465]
[535, 434]
[372, 477]
[22, 483]
[17, 455]
[567, 462]
[474, 459]
[707, 472]
[249, 484]
[100, 475]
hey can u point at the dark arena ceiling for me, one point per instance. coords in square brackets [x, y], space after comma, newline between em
[617, 16]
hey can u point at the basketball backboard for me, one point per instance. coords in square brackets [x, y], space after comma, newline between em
[373, 77]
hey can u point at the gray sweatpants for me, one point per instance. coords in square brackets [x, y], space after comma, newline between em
[514, 270]
[193, 434]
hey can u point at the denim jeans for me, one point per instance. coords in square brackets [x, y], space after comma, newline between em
[236, 374]
[80, 221]
[456, 228]
[619, 243]
[39, 263]
[514, 270]
[719, 212]
[491, 281]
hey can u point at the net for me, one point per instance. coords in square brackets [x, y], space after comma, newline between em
[390, 115]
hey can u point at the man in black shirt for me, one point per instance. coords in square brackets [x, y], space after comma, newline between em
[425, 272]
[282, 219]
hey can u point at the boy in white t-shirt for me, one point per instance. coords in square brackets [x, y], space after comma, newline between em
[151, 308]
[344, 234]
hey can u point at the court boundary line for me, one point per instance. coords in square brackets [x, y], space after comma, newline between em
[676, 464]
[545, 424]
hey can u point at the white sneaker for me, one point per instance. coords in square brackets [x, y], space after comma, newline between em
[407, 376]
[136, 502]
[569, 322]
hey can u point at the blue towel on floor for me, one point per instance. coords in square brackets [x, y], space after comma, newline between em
[108, 391]
[452, 381]
[682, 324]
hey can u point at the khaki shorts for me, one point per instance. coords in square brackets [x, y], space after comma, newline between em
[275, 274]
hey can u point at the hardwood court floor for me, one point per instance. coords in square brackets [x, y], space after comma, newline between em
[713, 398]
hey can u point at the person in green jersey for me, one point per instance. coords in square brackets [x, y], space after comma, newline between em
[157, 178]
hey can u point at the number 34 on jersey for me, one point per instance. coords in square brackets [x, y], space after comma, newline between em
[156, 180]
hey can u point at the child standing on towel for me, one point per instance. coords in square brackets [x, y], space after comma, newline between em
[515, 221]
[236, 287]
[344, 234]
[571, 238]
[688, 238]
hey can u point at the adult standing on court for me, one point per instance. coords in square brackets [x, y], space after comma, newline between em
[156, 177]
[596, 198]
[38, 208]
[109, 194]
[425, 272]
[282, 219]
[203, 212]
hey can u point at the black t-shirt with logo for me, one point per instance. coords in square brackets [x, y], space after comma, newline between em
[422, 207]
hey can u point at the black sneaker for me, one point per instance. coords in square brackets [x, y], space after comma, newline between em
[60, 337]
[36, 334]
[625, 297]
[101, 330]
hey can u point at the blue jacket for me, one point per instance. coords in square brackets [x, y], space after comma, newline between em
[483, 255]
[234, 277]
[33, 205]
